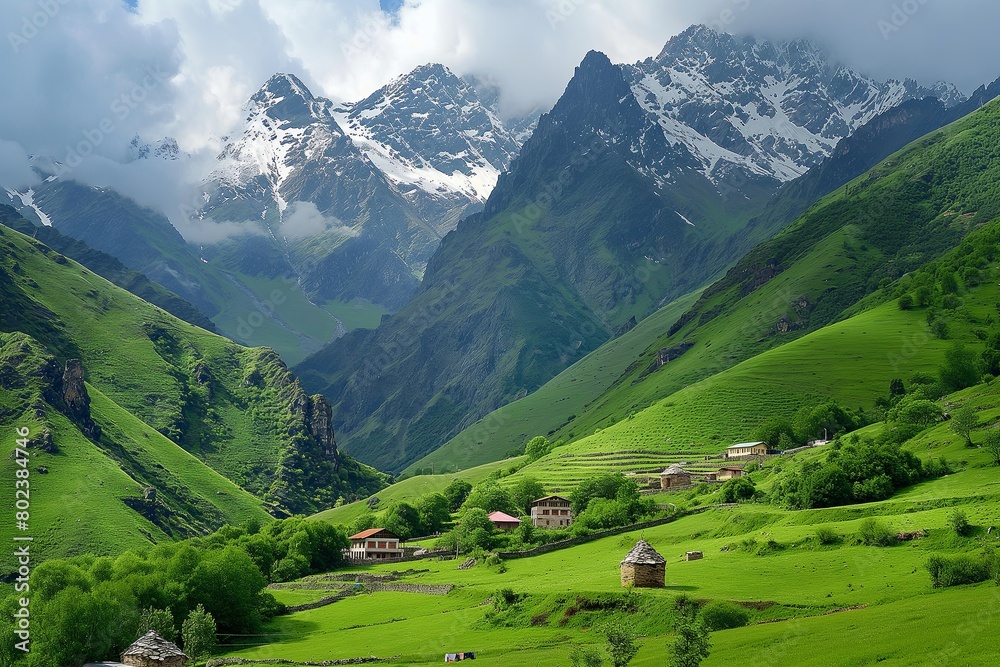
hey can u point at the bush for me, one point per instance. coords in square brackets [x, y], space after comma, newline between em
[737, 490]
[959, 570]
[959, 523]
[585, 656]
[723, 615]
[827, 535]
[875, 533]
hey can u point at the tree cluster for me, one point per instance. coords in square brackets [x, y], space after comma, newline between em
[89, 608]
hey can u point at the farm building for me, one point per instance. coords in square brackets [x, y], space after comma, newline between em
[374, 543]
[502, 521]
[731, 472]
[745, 450]
[551, 512]
[643, 567]
[152, 650]
[673, 477]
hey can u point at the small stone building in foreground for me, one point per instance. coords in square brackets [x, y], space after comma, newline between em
[152, 650]
[643, 567]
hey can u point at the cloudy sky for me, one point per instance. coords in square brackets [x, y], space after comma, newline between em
[105, 70]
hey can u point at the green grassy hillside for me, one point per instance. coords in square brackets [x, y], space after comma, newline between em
[800, 595]
[911, 208]
[557, 402]
[206, 423]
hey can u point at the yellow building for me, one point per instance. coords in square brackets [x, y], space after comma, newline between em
[746, 450]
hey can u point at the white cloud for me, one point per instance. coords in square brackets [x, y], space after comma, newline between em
[77, 74]
[15, 169]
[302, 219]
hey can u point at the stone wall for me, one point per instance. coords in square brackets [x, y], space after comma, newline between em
[573, 541]
[221, 662]
[142, 661]
[644, 576]
[426, 589]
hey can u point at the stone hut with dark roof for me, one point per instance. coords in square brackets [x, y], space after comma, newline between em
[643, 567]
[152, 650]
[674, 477]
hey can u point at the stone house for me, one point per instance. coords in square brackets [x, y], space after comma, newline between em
[643, 567]
[504, 521]
[673, 477]
[152, 650]
[551, 512]
[375, 543]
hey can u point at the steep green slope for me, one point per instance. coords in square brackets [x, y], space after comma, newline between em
[556, 403]
[108, 267]
[88, 485]
[161, 386]
[767, 317]
[910, 209]
[254, 298]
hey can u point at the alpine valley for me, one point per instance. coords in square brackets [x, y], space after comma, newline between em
[729, 315]
[636, 188]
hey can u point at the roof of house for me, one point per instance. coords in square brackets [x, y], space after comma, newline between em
[733, 468]
[550, 498]
[154, 647]
[643, 554]
[675, 470]
[501, 517]
[746, 444]
[371, 532]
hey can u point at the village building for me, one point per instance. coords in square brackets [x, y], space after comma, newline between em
[504, 521]
[673, 477]
[746, 450]
[728, 473]
[551, 512]
[375, 543]
[152, 650]
[643, 567]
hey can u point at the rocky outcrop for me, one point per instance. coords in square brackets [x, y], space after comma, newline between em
[319, 421]
[76, 401]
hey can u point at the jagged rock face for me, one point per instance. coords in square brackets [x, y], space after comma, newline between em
[320, 422]
[75, 400]
[751, 108]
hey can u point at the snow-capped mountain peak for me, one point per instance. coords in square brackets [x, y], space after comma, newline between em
[432, 135]
[164, 149]
[764, 109]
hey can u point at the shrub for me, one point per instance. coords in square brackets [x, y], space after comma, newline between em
[723, 615]
[906, 302]
[737, 490]
[875, 533]
[585, 656]
[827, 535]
[959, 570]
[959, 523]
